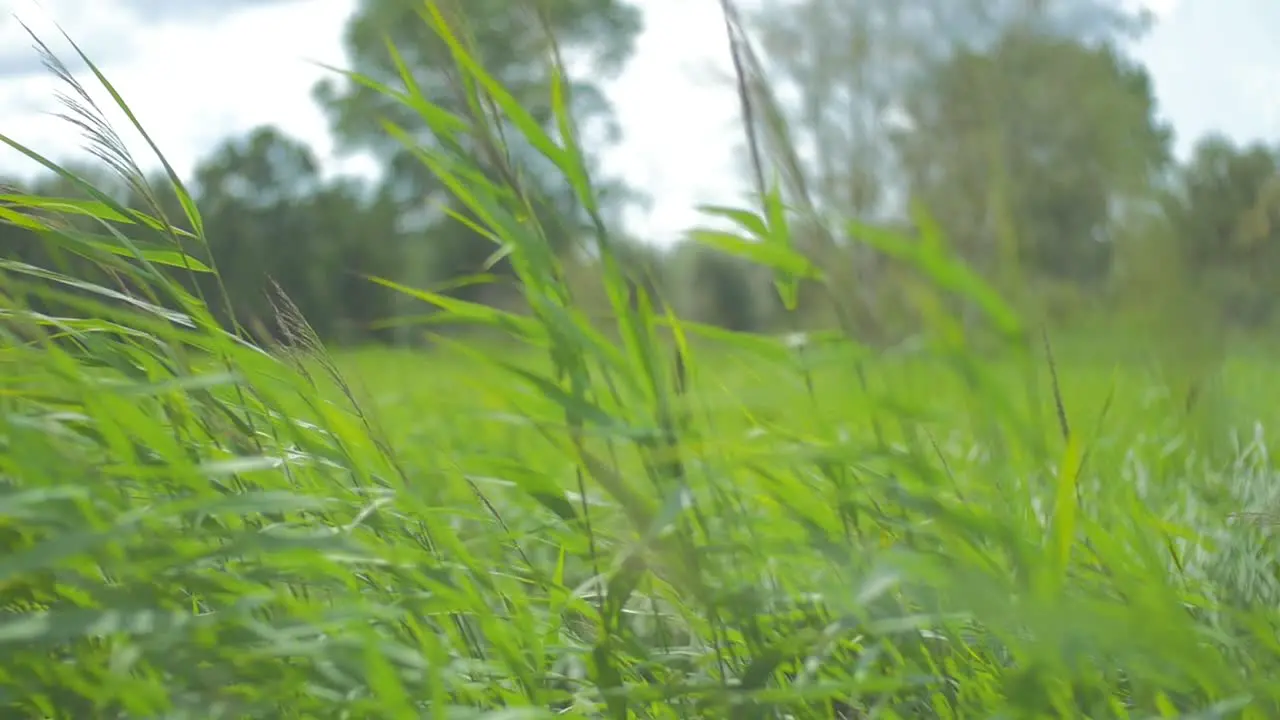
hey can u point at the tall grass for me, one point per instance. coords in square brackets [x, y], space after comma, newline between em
[602, 526]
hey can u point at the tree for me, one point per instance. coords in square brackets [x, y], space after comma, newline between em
[845, 66]
[1040, 143]
[272, 220]
[1224, 212]
[508, 38]
[42, 249]
[253, 193]
[719, 289]
[846, 74]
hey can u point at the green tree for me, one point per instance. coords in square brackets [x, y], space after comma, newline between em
[17, 242]
[846, 67]
[255, 192]
[719, 289]
[366, 242]
[1029, 152]
[1224, 212]
[273, 220]
[75, 260]
[510, 40]
[846, 76]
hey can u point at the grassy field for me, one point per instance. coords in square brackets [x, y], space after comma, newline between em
[892, 539]
[661, 521]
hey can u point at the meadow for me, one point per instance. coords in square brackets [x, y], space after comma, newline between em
[654, 520]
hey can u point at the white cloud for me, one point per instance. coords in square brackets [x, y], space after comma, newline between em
[98, 27]
[681, 126]
[1260, 83]
[191, 85]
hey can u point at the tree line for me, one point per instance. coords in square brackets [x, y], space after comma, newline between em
[1026, 130]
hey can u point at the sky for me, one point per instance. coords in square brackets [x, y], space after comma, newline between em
[198, 71]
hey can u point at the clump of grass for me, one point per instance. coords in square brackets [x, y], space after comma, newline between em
[194, 526]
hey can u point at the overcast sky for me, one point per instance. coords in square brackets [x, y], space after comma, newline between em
[196, 71]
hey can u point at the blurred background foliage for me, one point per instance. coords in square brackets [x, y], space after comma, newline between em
[1026, 129]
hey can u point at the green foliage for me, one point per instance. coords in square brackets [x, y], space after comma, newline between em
[1045, 134]
[720, 289]
[664, 520]
[851, 62]
[266, 208]
[1223, 209]
[513, 41]
[1022, 126]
